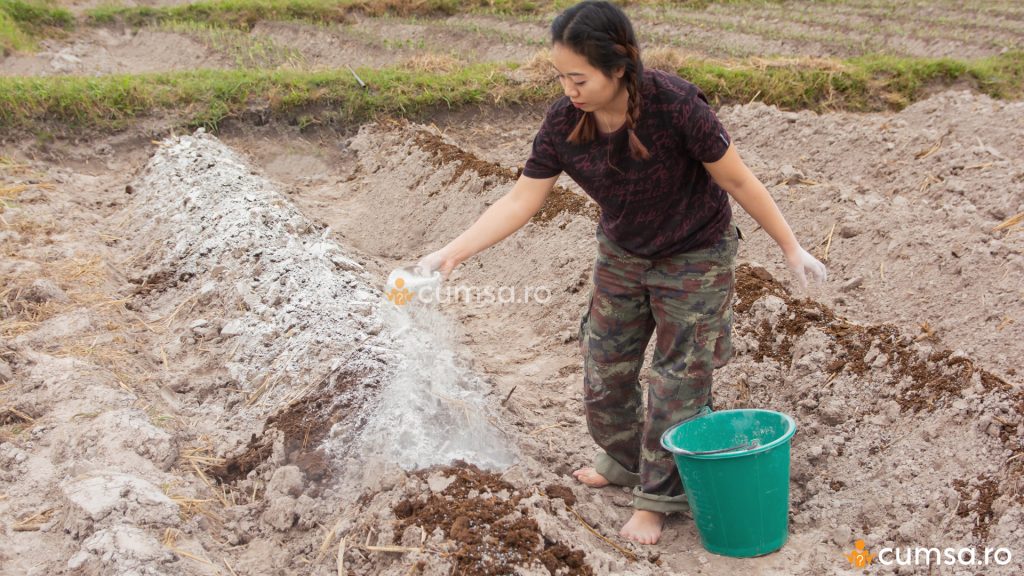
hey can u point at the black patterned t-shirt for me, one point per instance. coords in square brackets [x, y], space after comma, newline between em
[654, 208]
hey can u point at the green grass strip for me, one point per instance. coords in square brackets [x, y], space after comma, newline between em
[12, 37]
[208, 97]
[35, 17]
[866, 83]
[21, 23]
[245, 13]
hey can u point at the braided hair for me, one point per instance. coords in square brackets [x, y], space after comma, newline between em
[602, 33]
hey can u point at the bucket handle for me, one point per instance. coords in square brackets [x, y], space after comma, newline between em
[704, 411]
[746, 446]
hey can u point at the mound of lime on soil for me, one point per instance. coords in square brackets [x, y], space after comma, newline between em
[230, 390]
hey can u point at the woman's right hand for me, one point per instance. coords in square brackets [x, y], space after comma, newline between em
[440, 260]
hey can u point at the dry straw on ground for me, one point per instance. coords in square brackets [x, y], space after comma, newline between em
[437, 63]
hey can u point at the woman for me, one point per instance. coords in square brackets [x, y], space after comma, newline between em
[645, 145]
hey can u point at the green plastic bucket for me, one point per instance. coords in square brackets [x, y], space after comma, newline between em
[735, 470]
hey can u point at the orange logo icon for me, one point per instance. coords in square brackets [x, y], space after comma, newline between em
[860, 558]
[400, 295]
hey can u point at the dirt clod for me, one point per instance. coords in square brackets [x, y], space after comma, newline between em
[492, 536]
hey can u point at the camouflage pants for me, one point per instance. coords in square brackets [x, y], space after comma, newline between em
[688, 298]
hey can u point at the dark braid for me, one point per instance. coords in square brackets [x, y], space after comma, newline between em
[636, 148]
[601, 32]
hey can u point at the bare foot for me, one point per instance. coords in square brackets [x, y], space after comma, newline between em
[644, 527]
[590, 477]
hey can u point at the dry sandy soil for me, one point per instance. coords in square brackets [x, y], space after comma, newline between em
[940, 29]
[196, 341]
[200, 371]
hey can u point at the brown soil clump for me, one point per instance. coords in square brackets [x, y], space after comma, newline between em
[931, 380]
[304, 424]
[479, 511]
[977, 497]
[560, 200]
[563, 492]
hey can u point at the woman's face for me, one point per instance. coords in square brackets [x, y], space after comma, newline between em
[588, 88]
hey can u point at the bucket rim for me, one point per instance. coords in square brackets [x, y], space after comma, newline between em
[790, 430]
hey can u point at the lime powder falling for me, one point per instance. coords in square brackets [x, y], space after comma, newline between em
[432, 412]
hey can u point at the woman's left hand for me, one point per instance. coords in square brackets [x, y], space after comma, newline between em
[803, 266]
